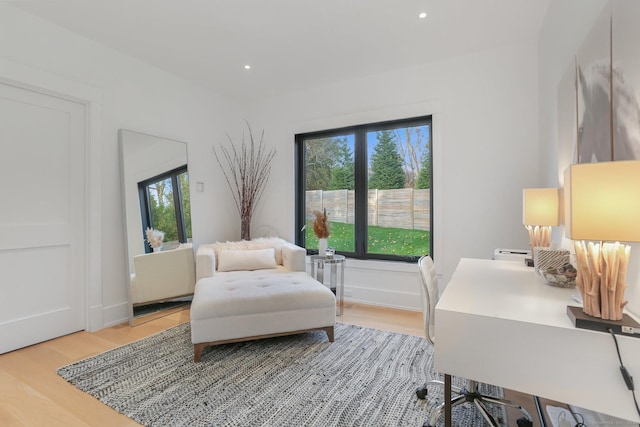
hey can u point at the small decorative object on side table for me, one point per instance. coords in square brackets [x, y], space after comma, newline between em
[321, 230]
[336, 275]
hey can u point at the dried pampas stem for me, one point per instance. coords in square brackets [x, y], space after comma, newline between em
[321, 224]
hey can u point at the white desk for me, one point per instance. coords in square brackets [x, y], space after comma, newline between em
[498, 322]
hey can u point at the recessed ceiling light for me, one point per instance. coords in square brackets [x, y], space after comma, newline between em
[247, 67]
[422, 15]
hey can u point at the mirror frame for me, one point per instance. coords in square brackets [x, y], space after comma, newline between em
[145, 150]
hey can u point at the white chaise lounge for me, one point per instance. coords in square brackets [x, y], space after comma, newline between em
[256, 289]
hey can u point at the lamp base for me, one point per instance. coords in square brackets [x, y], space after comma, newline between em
[626, 326]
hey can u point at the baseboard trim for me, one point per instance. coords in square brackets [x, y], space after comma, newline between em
[115, 314]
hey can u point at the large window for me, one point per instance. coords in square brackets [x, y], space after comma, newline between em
[164, 204]
[374, 182]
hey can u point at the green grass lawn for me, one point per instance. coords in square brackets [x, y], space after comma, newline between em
[388, 241]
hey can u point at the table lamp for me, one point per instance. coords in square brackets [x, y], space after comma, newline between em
[602, 203]
[540, 211]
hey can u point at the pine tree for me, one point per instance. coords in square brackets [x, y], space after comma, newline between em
[342, 175]
[424, 176]
[386, 163]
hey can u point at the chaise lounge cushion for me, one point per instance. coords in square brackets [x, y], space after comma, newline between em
[252, 259]
[288, 255]
[253, 303]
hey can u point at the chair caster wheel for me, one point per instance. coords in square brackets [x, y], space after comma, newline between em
[524, 422]
[421, 393]
[426, 424]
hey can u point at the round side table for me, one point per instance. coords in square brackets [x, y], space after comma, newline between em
[335, 276]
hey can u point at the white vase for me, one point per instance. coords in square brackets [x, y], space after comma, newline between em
[322, 246]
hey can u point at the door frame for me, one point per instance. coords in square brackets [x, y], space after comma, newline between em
[32, 79]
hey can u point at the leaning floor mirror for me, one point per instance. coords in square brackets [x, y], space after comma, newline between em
[157, 212]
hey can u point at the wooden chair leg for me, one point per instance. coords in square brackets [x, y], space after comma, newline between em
[329, 331]
[197, 351]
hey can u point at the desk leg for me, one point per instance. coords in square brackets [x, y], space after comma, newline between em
[447, 400]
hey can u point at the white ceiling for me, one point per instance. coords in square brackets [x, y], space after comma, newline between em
[291, 44]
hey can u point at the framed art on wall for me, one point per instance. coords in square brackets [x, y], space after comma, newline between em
[604, 80]
[593, 61]
[626, 79]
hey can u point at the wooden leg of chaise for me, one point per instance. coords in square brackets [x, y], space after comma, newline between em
[197, 351]
[329, 332]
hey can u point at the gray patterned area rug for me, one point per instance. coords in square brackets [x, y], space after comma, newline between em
[366, 377]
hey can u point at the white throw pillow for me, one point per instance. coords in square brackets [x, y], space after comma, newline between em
[246, 259]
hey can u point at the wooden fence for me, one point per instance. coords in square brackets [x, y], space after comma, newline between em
[403, 208]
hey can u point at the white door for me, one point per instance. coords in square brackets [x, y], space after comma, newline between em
[42, 221]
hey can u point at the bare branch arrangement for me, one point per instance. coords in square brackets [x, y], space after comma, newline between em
[246, 169]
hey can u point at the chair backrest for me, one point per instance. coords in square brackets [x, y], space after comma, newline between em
[430, 294]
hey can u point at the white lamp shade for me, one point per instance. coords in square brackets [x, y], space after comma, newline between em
[602, 201]
[540, 206]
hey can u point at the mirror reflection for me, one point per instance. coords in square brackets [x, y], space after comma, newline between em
[157, 212]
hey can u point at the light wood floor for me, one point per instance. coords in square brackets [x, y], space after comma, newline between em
[32, 394]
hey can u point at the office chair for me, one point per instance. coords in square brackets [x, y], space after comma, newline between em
[469, 393]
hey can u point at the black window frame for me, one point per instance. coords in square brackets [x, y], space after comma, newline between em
[145, 205]
[361, 183]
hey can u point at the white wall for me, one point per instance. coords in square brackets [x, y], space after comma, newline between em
[137, 97]
[565, 27]
[485, 152]
[485, 144]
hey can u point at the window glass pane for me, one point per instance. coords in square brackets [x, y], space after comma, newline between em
[399, 182]
[374, 180]
[163, 213]
[329, 184]
[183, 179]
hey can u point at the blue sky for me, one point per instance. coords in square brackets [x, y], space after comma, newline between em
[372, 140]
